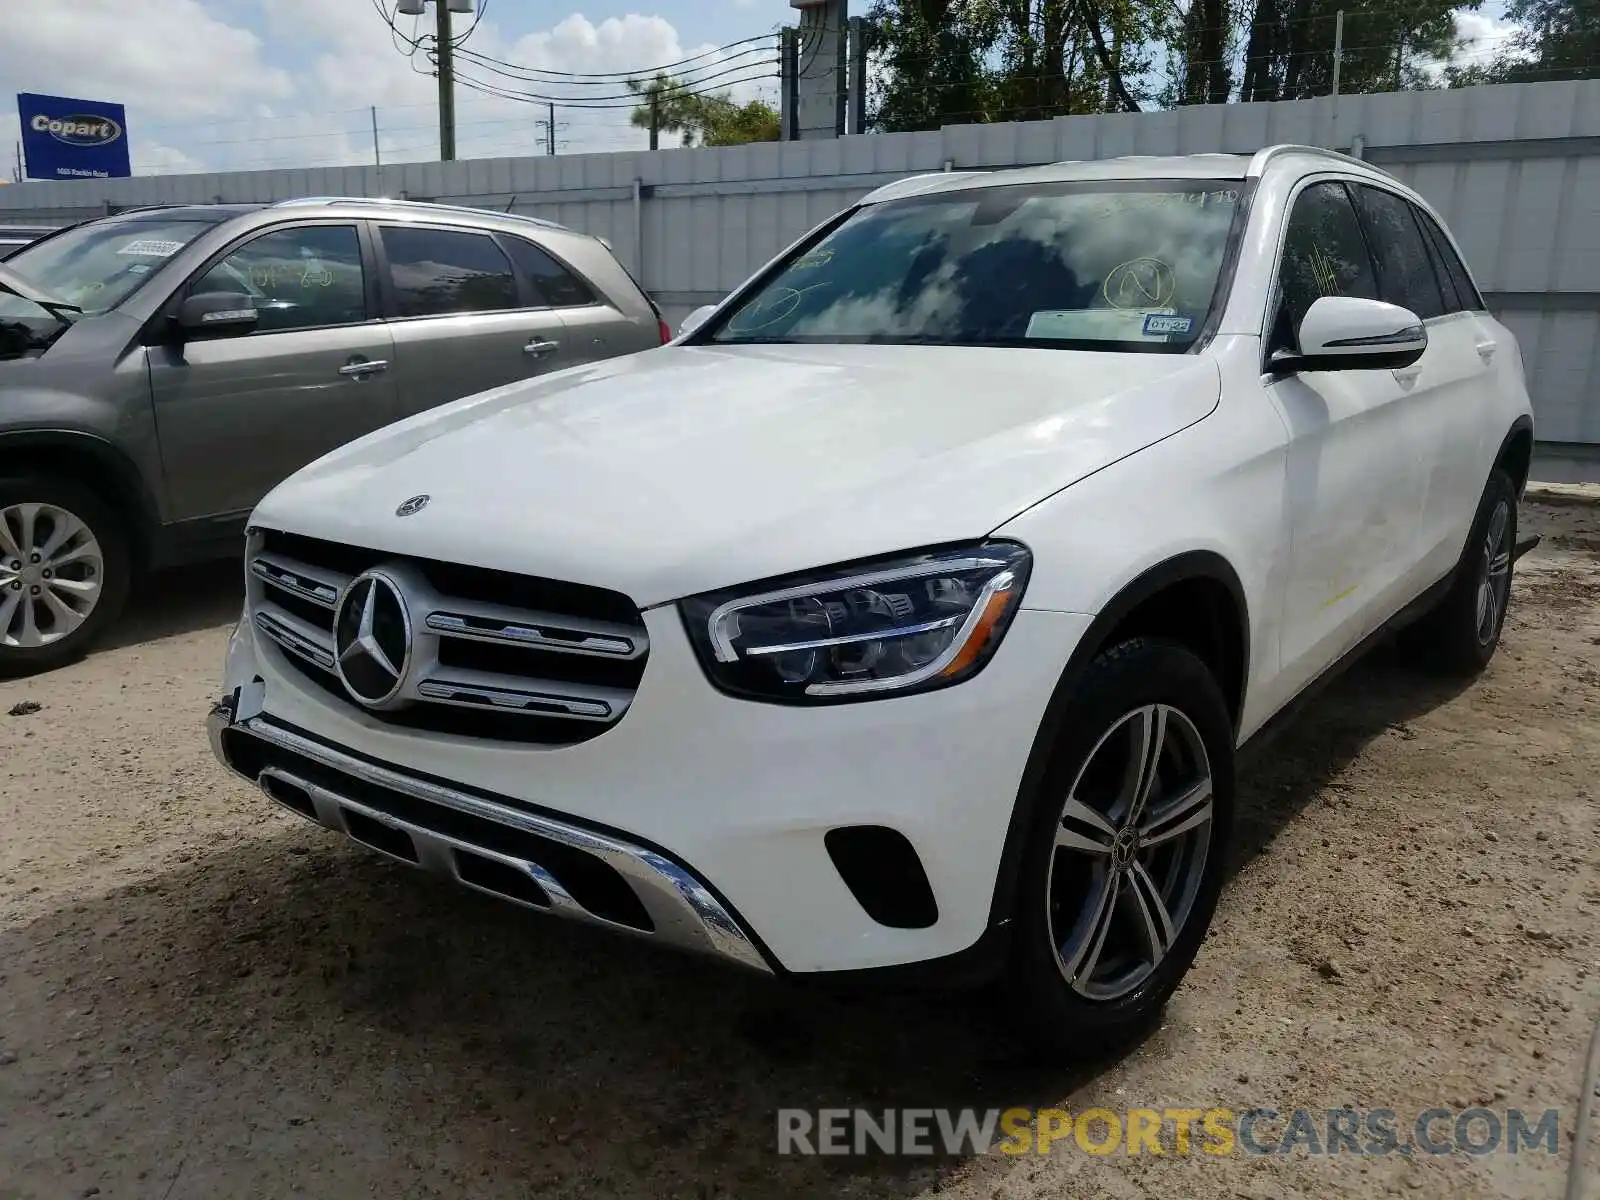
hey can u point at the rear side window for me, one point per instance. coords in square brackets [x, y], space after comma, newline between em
[302, 278]
[1450, 264]
[1324, 254]
[559, 287]
[1405, 270]
[437, 272]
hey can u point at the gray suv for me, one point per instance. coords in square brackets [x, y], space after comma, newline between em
[160, 370]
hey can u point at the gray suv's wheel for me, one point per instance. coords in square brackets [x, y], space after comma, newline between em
[1126, 854]
[63, 572]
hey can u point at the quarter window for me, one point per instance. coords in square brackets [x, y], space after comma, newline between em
[437, 272]
[1324, 254]
[556, 285]
[1405, 271]
[301, 278]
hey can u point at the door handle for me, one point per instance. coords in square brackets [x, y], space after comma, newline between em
[1486, 350]
[538, 349]
[360, 370]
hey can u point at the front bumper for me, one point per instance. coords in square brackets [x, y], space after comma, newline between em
[365, 801]
[713, 810]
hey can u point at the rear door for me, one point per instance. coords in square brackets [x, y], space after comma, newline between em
[462, 320]
[1465, 438]
[237, 414]
[595, 324]
[1448, 389]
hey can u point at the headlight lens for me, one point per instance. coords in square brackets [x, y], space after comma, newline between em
[903, 625]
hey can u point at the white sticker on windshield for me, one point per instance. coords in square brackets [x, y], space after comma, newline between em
[1097, 324]
[151, 248]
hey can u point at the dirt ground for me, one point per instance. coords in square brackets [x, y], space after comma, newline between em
[201, 997]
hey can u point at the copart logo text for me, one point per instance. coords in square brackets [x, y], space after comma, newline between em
[78, 130]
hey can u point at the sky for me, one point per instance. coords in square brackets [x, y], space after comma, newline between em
[215, 85]
[232, 84]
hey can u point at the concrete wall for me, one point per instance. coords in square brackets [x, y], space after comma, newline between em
[1515, 170]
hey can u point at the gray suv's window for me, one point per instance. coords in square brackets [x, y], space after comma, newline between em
[441, 271]
[556, 285]
[301, 278]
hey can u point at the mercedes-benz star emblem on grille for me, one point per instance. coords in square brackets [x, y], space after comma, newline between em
[372, 639]
[411, 507]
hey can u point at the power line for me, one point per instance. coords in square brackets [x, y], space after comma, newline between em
[621, 76]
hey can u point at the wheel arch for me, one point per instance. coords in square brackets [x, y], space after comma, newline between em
[94, 463]
[1515, 456]
[1199, 587]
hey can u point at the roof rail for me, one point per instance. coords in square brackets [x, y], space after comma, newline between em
[1262, 157]
[376, 201]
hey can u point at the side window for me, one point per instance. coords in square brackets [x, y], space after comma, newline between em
[298, 278]
[1453, 267]
[559, 286]
[1405, 272]
[1447, 287]
[437, 272]
[1323, 255]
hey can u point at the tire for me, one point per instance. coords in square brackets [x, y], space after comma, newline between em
[1459, 635]
[81, 587]
[1081, 1001]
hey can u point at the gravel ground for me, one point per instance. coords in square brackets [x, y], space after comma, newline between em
[200, 997]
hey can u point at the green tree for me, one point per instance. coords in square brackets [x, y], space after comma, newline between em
[709, 120]
[932, 58]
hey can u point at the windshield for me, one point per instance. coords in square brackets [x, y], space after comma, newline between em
[1114, 265]
[98, 265]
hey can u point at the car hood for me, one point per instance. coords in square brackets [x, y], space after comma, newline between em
[688, 468]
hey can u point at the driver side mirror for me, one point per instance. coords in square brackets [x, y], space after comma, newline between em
[696, 319]
[217, 314]
[1347, 333]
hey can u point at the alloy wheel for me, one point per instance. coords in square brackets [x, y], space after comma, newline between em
[51, 574]
[1130, 852]
[1494, 577]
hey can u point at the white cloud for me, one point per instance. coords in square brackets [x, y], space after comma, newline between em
[204, 93]
[164, 58]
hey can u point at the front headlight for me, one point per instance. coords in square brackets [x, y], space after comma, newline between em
[908, 624]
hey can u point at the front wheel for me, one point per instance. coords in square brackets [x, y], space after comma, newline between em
[1126, 854]
[63, 572]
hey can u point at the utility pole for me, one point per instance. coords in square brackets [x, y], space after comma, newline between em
[447, 80]
[655, 119]
[377, 159]
[550, 133]
[16, 176]
[1338, 47]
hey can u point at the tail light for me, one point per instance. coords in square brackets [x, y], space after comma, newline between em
[664, 329]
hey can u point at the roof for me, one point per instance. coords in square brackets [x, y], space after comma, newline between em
[1131, 166]
[409, 205]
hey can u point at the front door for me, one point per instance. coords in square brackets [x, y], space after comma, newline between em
[1354, 493]
[462, 321]
[235, 415]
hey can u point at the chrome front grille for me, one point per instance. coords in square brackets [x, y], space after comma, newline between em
[493, 654]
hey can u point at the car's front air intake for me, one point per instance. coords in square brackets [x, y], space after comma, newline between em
[445, 647]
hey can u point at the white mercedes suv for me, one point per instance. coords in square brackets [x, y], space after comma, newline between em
[909, 609]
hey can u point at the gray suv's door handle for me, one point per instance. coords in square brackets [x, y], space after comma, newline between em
[539, 349]
[1486, 350]
[364, 368]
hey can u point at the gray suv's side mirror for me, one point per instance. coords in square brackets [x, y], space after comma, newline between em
[214, 314]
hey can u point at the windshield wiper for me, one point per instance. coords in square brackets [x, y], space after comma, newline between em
[21, 285]
[755, 341]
